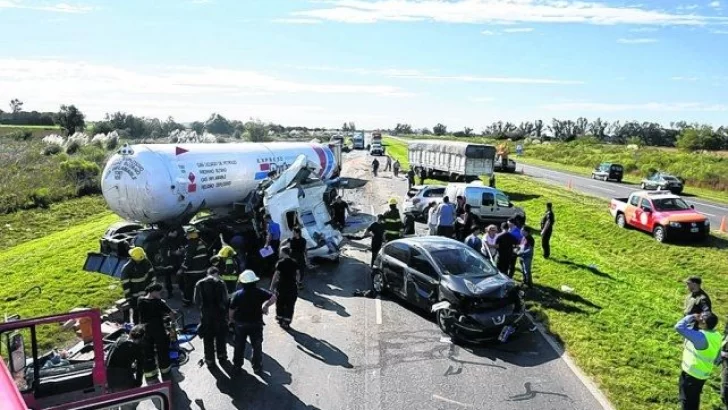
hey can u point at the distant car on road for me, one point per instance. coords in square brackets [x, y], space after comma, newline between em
[376, 149]
[664, 182]
[510, 166]
[473, 301]
[608, 170]
[665, 215]
[419, 196]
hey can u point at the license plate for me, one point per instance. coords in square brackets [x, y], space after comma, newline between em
[694, 229]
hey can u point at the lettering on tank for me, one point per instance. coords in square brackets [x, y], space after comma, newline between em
[214, 174]
[276, 164]
[127, 166]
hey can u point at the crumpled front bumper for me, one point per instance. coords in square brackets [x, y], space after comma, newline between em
[488, 324]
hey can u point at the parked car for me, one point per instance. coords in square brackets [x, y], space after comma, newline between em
[472, 300]
[489, 205]
[419, 196]
[376, 149]
[608, 170]
[664, 182]
[510, 166]
[665, 215]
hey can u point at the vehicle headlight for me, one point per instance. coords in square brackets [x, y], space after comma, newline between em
[675, 224]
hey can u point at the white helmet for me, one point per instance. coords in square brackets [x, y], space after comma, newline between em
[248, 276]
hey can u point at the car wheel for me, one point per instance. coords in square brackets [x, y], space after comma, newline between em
[621, 221]
[619, 180]
[445, 317]
[660, 234]
[378, 282]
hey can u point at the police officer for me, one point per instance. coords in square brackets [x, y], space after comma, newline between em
[125, 362]
[153, 311]
[285, 286]
[247, 307]
[169, 258]
[392, 222]
[136, 275]
[195, 264]
[697, 301]
[228, 267]
[547, 228]
[211, 296]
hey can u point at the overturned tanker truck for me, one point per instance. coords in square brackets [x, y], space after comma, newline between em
[221, 190]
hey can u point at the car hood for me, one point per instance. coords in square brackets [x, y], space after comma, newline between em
[682, 216]
[495, 287]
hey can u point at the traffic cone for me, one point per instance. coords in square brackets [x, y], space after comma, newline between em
[722, 226]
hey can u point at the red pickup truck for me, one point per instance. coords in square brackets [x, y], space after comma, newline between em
[665, 215]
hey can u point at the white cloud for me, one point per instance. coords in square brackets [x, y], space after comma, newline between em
[497, 11]
[518, 30]
[691, 79]
[637, 40]
[714, 4]
[643, 30]
[58, 8]
[488, 33]
[688, 7]
[653, 106]
[297, 21]
[719, 31]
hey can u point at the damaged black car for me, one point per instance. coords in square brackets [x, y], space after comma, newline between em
[471, 300]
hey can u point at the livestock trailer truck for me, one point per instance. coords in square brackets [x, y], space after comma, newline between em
[459, 161]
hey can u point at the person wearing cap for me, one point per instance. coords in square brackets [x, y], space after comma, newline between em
[228, 267]
[211, 296]
[392, 222]
[445, 218]
[195, 264]
[376, 231]
[285, 286]
[153, 311]
[247, 307]
[697, 301]
[340, 207]
[547, 228]
[136, 275]
[701, 352]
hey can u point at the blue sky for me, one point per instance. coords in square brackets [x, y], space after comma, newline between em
[320, 63]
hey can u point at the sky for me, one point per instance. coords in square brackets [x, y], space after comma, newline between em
[320, 63]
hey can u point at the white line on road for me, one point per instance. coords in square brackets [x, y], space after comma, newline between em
[707, 214]
[435, 396]
[722, 208]
[378, 308]
[600, 188]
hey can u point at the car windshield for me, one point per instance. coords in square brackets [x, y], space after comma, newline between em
[670, 204]
[669, 178]
[462, 261]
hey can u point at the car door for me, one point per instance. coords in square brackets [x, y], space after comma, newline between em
[422, 280]
[646, 217]
[503, 210]
[394, 265]
[630, 213]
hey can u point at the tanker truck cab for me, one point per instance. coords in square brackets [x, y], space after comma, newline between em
[296, 198]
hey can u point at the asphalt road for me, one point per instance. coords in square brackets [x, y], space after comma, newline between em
[608, 190]
[347, 352]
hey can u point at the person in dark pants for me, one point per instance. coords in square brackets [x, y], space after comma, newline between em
[697, 301]
[376, 231]
[194, 266]
[339, 207]
[153, 311]
[410, 178]
[446, 216]
[285, 286]
[125, 363]
[247, 307]
[211, 296]
[299, 253]
[514, 228]
[375, 166]
[700, 353]
[273, 239]
[505, 244]
[136, 275]
[547, 228]
[423, 176]
[171, 251]
[724, 368]
[392, 222]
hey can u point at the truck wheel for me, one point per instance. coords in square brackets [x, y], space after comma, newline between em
[660, 234]
[621, 221]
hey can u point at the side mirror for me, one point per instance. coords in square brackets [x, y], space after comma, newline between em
[16, 347]
[510, 204]
[692, 206]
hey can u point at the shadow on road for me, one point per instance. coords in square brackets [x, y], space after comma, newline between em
[320, 349]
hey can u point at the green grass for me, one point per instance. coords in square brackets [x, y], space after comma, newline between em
[618, 322]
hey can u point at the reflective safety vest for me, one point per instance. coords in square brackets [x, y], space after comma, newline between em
[135, 277]
[700, 363]
[230, 274]
[196, 258]
[392, 225]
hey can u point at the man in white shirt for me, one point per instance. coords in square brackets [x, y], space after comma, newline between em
[432, 217]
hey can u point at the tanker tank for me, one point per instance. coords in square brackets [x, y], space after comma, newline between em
[156, 183]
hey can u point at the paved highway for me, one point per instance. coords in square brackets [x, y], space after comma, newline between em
[347, 352]
[714, 211]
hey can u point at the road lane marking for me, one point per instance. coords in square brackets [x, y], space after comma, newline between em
[724, 209]
[600, 188]
[446, 400]
[378, 308]
[707, 214]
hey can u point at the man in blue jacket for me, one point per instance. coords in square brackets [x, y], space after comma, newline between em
[701, 352]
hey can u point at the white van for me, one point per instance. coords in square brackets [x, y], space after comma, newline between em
[488, 204]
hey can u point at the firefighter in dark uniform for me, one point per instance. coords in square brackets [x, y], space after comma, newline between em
[211, 297]
[136, 275]
[169, 258]
[194, 266]
[153, 311]
[229, 268]
[410, 178]
[392, 222]
[125, 362]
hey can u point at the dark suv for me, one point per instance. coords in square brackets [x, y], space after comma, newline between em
[608, 170]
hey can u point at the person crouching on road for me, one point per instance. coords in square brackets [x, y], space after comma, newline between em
[247, 308]
[152, 313]
[526, 253]
[228, 267]
[211, 296]
[392, 222]
[700, 354]
[125, 363]
[195, 265]
[136, 275]
[376, 231]
[285, 286]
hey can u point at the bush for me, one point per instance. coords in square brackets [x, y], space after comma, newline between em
[112, 143]
[84, 174]
[52, 149]
[73, 147]
[20, 135]
[41, 198]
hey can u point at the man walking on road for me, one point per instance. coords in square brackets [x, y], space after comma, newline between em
[445, 218]
[211, 296]
[547, 228]
[299, 253]
[247, 307]
[410, 178]
[388, 164]
[700, 353]
[285, 286]
[395, 168]
[376, 231]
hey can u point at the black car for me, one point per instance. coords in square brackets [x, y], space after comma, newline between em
[607, 171]
[473, 301]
